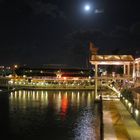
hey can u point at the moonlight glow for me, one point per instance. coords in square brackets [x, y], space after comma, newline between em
[87, 7]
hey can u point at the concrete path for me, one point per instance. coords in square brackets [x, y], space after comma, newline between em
[118, 123]
[132, 127]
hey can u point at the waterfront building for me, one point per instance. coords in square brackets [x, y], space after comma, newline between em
[53, 73]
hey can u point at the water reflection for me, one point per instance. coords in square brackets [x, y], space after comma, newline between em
[68, 114]
[85, 129]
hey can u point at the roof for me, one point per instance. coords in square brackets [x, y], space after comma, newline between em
[111, 58]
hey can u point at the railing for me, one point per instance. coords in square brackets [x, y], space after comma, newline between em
[131, 109]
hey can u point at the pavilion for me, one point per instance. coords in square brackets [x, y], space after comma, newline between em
[131, 66]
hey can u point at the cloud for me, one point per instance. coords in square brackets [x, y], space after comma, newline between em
[119, 39]
[47, 9]
[120, 33]
[99, 11]
[77, 41]
[35, 7]
[94, 35]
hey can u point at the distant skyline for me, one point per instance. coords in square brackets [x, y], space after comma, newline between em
[41, 32]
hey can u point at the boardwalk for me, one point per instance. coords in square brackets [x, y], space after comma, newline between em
[118, 123]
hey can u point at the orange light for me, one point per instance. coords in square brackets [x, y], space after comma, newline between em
[15, 66]
[64, 106]
[64, 78]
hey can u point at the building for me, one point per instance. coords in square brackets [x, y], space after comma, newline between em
[53, 73]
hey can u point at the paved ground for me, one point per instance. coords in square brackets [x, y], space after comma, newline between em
[118, 123]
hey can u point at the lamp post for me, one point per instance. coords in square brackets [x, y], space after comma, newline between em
[14, 68]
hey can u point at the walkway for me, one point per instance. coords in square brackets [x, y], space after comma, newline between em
[118, 123]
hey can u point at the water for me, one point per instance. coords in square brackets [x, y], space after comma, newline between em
[49, 115]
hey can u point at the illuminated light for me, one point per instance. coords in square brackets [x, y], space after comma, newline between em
[78, 97]
[88, 100]
[64, 78]
[10, 76]
[129, 104]
[137, 112]
[137, 59]
[15, 66]
[2, 67]
[33, 95]
[20, 94]
[59, 95]
[46, 96]
[75, 78]
[54, 96]
[109, 63]
[72, 96]
[64, 106]
[38, 84]
[24, 76]
[66, 93]
[87, 7]
[37, 95]
[24, 96]
[10, 82]
[89, 77]
[126, 100]
[42, 83]
[11, 95]
[41, 71]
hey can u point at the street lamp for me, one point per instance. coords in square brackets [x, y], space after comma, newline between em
[15, 66]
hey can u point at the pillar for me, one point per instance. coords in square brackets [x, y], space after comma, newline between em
[128, 70]
[138, 69]
[124, 69]
[134, 71]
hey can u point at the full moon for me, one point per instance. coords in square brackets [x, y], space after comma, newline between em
[87, 7]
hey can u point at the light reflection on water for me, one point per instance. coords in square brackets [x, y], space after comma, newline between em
[68, 114]
[85, 129]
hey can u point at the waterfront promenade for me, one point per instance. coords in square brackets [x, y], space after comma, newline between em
[118, 123]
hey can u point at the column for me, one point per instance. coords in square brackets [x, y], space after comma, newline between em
[124, 69]
[96, 80]
[134, 71]
[138, 69]
[128, 69]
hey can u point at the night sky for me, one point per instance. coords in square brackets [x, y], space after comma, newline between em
[37, 32]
